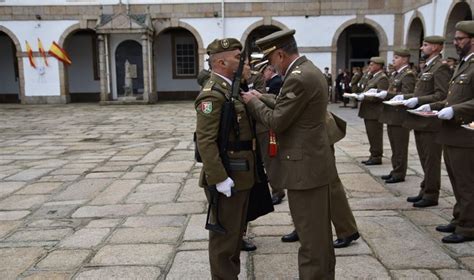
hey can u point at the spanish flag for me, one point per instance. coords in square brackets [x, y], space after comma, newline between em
[58, 52]
[42, 52]
[30, 55]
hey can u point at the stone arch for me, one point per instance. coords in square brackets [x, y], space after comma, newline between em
[453, 16]
[414, 37]
[63, 79]
[19, 56]
[416, 15]
[374, 25]
[259, 23]
[163, 26]
[454, 5]
[377, 28]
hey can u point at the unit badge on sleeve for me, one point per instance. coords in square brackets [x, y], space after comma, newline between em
[206, 107]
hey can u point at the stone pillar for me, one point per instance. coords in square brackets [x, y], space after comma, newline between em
[102, 69]
[151, 64]
[146, 72]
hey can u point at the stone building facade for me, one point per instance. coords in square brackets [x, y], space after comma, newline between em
[165, 40]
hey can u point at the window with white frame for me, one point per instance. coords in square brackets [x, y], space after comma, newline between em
[184, 57]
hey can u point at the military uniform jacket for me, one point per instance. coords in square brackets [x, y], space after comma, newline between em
[432, 86]
[461, 99]
[402, 82]
[354, 82]
[208, 106]
[363, 82]
[305, 159]
[371, 107]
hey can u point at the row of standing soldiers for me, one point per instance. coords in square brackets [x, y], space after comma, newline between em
[443, 104]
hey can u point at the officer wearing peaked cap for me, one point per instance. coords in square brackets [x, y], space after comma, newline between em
[458, 142]
[305, 164]
[224, 249]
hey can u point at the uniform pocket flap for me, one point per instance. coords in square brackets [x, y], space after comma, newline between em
[291, 154]
[464, 79]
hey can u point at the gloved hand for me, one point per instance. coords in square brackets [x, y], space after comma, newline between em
[360, 97]
[372, 90]
[225, 187]
[446, 113]
[424, 108]
[382, 94]
[398, 97]
[411, 102]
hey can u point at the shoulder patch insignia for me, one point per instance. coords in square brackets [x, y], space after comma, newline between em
[206, 107]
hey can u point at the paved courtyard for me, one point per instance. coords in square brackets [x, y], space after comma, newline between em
[110, 192]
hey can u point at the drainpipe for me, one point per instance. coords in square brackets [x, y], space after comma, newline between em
[434, 17]
[223, 18]
[107, 67]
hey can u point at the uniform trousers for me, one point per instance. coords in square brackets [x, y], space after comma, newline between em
[460, 166]
[224, 249]
[374, 131]
[341, 213]
[398, 137]
[429, 153]
[311, 216]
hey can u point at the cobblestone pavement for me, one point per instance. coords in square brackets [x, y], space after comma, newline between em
[110, 192]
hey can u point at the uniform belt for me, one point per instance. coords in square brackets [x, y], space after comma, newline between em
[240, 146]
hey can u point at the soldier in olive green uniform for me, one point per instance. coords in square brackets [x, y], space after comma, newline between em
[402, 82]
[458, 142]
[432, 86]
[356, 77]
[341, 213]
[224, 249]
[305, 164]
[371, 108]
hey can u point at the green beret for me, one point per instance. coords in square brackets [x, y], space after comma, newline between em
[378, 60]
[223, 45]
[435, 39]
[466, 26]
[402, 52]
[275, 41]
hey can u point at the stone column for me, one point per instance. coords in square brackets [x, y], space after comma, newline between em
[102, 69]
[146, 72]
[151, 64]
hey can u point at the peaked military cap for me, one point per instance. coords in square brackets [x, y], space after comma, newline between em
[466, 26]
[275, 41]
[402, 52]
[223, 45]
[435, 39]
[378, 60]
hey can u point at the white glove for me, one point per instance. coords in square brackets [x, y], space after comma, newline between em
[411, 102]
[225, 187]
[360, 97]
[381, 94]
[398, 97]
[372, 90]
[424, 108]
[446, 113]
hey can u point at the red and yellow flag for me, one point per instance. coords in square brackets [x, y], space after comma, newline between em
[58, 52]
[30, 55]
[42, 52]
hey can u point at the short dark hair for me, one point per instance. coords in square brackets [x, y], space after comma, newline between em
[290, 47]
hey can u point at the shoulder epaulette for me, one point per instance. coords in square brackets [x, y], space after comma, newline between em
[208, 86]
